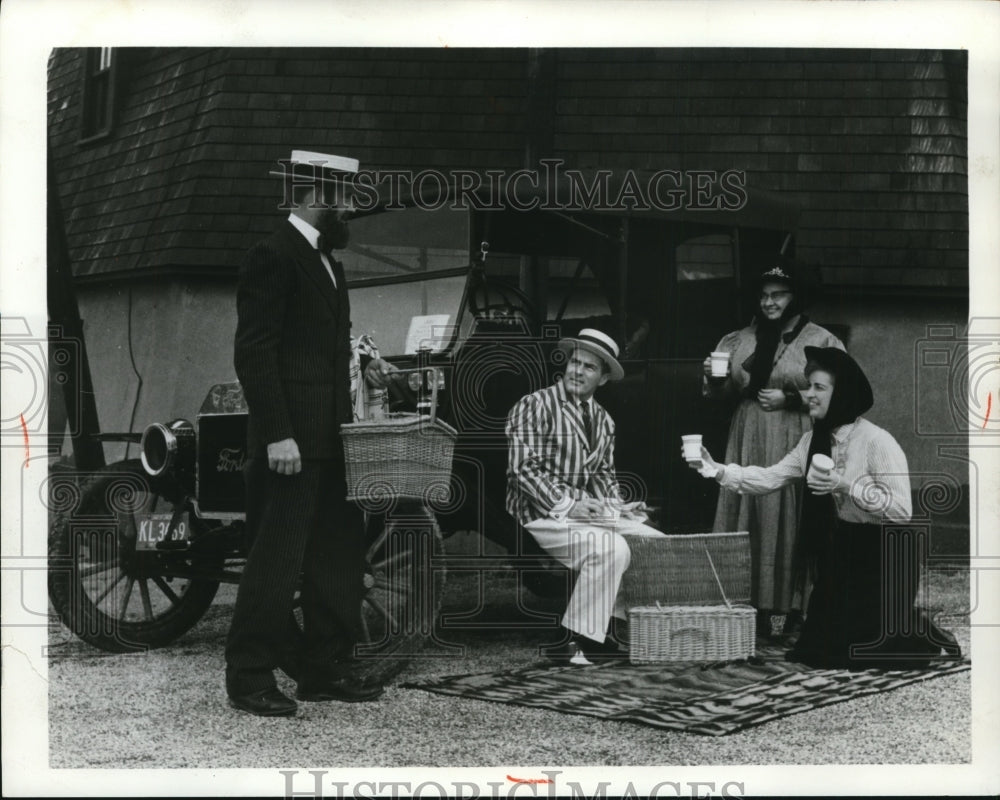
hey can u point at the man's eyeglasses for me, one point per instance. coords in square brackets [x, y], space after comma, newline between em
[774, 295]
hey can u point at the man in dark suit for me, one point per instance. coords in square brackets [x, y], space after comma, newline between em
[292, 356]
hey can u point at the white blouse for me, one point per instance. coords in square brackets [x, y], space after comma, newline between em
[866, 455]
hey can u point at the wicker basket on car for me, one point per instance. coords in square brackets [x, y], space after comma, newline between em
[679, 592]
[400, 455]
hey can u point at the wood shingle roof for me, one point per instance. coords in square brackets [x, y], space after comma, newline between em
[870, 143]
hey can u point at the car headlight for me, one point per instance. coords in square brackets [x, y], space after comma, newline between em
[425, 380]
[168, 447]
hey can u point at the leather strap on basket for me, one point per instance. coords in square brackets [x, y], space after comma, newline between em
[719, 582]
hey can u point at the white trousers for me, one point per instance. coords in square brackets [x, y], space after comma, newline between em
[599, 554]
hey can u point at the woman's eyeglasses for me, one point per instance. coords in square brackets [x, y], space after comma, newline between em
[773, 295]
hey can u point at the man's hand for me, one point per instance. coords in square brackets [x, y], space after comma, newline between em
[588, 508]
[377, 373]
[771, 399]
[283, 457]
[637, 511]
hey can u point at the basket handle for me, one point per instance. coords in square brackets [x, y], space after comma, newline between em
[719, 582]
[434, 384]
[693, 631]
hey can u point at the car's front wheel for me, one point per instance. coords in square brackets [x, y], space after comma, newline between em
[104, 585]
[404, 580]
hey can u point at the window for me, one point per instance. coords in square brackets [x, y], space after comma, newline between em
[575, 292]
[406, 245]
[707, 301]
[705, 257]
[407, 271]
[99, 79]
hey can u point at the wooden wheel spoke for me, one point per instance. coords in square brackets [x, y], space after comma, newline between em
[98, 568]
[147, 605]
[123, 607]
[126, 523]
[405, 556]
[108, 589]
[377, 545]
[165, 588]
[96, 565]
[381, 609]
[366, 633]
[396, 588]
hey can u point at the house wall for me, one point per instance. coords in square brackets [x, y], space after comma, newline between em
[871, 144]
[155, 349]
[886, 338]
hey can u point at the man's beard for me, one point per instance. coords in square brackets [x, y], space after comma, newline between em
[336, 233]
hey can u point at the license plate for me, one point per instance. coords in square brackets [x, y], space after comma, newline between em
[153, 531]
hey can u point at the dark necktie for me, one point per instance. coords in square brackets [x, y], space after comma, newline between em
[322, 246]
[324, 250]
[588, 423]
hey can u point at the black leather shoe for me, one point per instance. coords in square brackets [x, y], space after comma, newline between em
[264, 703]
[608, 651]
[345, 689]
[948, 642]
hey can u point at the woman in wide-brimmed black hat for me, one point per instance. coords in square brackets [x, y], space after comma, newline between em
[861, 612]
[765, 379]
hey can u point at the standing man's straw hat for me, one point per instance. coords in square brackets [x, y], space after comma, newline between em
[307, 166]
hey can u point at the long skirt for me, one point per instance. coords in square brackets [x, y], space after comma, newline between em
[763, 438]
[861, 611]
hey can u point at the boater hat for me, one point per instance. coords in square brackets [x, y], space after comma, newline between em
[308, 166]
[600, 344]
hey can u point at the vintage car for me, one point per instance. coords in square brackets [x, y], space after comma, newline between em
[471, 292]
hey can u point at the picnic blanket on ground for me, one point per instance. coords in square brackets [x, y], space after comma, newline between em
[712, 700]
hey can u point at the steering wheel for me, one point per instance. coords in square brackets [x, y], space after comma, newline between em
[508, 300]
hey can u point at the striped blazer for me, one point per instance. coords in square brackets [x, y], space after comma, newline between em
[549, 456]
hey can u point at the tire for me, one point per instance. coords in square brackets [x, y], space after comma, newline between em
[403, 593]
[106, 592]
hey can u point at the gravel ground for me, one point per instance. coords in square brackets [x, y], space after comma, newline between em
[167, 708]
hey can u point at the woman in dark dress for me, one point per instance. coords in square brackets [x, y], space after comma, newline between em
[852, 540]
[765, 381]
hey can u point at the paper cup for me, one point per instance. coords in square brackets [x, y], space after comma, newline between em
[720, 364]
[820, 464]
[692, 447]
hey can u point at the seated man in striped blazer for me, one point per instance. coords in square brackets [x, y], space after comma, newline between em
[561, 487]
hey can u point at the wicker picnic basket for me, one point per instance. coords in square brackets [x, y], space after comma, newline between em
[661, 634]
[401, 455]
[673, 569]
[687, 614]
